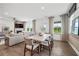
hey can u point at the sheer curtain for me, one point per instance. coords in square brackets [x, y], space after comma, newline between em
[65, 25]
[51, 24]
[34, 26]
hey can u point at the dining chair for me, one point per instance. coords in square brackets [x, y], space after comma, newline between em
[30, 46]
[47, 43]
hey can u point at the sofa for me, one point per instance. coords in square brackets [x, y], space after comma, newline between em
[2, 35]
[17, 38]
[14, 39]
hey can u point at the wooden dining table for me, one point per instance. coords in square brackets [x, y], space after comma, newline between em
[36, 38]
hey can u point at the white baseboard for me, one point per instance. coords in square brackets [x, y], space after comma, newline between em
[77, 52]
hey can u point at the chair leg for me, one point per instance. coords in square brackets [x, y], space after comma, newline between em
[24, 51]
[51, 46]
[31, 52]
[41, 47]
[38, 49]
[49, 50]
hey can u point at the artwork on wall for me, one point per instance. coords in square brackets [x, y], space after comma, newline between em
[5, 29]
[43, 28]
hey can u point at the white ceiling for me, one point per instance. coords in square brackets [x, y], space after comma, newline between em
[33, 10]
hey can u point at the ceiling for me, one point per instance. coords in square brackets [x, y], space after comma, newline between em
[34, 10]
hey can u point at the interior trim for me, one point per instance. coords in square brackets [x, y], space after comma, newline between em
[77, 52]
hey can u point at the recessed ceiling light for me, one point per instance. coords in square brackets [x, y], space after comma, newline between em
[42, 8]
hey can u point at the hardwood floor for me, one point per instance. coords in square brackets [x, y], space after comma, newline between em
[59, 49]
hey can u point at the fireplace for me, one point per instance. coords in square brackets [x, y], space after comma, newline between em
[19, 31]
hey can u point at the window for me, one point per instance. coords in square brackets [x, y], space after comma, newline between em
[57, 27]
[75, 26]
[29, 26]
[29, 29]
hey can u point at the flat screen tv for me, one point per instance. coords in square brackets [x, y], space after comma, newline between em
[19, 26]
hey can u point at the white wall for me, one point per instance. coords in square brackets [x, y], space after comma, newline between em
[40, 22]
[5, 21]
[1, 10]
[9, 22]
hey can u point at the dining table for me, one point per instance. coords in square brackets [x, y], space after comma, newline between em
[36, 38]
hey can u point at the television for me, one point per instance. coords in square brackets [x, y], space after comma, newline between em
[19, 26]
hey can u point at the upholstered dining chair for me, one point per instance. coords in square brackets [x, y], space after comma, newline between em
[30, 46]
[47, 43]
